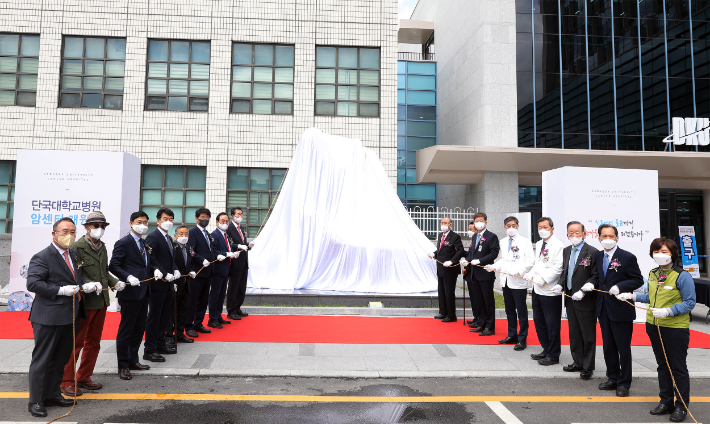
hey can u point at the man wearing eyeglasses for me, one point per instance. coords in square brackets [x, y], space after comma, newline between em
[94, 267]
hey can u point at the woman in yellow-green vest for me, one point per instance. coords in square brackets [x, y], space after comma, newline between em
[671, 295]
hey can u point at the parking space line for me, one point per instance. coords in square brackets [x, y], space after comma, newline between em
[503, 413]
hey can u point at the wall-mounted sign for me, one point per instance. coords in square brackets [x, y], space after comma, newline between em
[689, 250]
[690, 131]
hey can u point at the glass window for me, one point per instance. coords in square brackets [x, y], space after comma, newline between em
[179, 188]
[347, 81]
[7, 195]
[178, 75]
[263, 72]
[19, 61]
[87, 64]
[254, 190]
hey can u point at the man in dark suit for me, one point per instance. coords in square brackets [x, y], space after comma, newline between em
[448, 253]
[55, 279]
[483, 251]
[161, 291]
[618, 272]
[133, 261]
[220, 271]
[202, 245]
[183, 261]
[239, 271]
[579, 268]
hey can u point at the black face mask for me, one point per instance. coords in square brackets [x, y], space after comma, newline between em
[204, 223]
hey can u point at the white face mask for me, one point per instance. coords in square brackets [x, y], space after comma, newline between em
[140, 229]
[576, 241]
[166, 225]
[223, 227]
[444, 228]
[238, 220]
[543, 234]
[512, 232]
[471, 233]
[662, 259]
[608, 244]
[479, 225]
[96, 233]
[182, 240]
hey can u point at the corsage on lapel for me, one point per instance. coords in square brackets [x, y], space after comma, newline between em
[585, 262]
[662, 279]
[211, 238]
[192, 252]
[614, 265]
[148, 249]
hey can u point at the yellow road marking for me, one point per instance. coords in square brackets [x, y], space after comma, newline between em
[356, 399]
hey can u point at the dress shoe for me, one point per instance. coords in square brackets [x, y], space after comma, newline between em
[469, 321]
[201, 329]
[214, 324]
[90, 385]
[487, 332]
[447, 319]
[477, 329]
[234, 317]
[508, 340]
[622, 391]
[154, 357]
[138, 367]
[170, 341]
[586, 375]
[537, 356]
[475, 325]
[607, 385]
[224, 321]
[439, 316]
[37, 409]
[191, 333]
[58, 401]
[678, 415]
[520, 346]
[184, 339]
[662, 409]
[124, 374]
[572, 368]
[167, 350]
[546, 361]
[242, 313]
[72, 391]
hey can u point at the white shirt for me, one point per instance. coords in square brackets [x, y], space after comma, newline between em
[229, 248]
[548, 267]
[610, 253]
[62, 251]
[515, 263]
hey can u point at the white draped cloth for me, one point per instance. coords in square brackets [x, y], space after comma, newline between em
[339, 225]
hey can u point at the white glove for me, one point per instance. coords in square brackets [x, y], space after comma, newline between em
[447, 263]
[251, 245]
[133, 281]
[205, 263]
[242, 247]
[614, 290]
[431, 255]
[625, 296]
[528, 276]
[492, 268]
[221, 258]
[68, 290]
[475, 262]
[176, 274]
[175, 287]
[99, 288]
[89, 288]
[463, 262]
[119, 286]
[193, 274]
[578, 296]
[588, 287]
[557, 289]
[169, 278]
[660, 312]
[538, 281]
[158, 275]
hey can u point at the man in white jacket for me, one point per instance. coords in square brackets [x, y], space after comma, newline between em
[546, 300]
[515, 259]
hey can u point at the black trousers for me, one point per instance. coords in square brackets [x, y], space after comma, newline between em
[616, 336]
[199, 298]
[675, 340]
[582, 335]
[182, 298]
[134, 314]
[159, 318]
[218, 291]
[547, 316]
[52, 351]
[237, 289]
[447, 295]
[481, 294]
[516, 310]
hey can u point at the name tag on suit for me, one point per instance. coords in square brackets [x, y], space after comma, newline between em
[668, 288]
[480, 248]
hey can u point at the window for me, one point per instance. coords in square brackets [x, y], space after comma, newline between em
[180, 188]
[92, 72]
[19, 60]
[347, 81]
[7, 195]
[253, 190]
[178, 75]
[262, 79]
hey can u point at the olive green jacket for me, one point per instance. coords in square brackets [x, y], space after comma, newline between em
[94, 268]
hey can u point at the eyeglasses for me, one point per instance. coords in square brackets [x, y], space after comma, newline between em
[65, 232]
[97, 225]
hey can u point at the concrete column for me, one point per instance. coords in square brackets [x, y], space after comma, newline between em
[706, 219]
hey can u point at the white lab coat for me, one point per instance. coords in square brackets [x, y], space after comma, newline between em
[548, 267]
[514, 263]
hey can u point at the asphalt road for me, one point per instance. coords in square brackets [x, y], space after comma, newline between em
[521, 400]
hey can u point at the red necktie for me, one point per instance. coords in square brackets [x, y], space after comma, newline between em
[228, 247]
[240, 233]
[443, 236]
[71, 268]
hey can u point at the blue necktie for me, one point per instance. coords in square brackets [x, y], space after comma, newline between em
[478, 239]
[142, 244]
[207, 238]
[606, 263]
[572, 263]
[510, 243]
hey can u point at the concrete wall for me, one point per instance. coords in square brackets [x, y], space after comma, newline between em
[5, 244]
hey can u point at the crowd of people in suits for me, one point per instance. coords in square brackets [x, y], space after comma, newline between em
[596, 286]
[164, 285]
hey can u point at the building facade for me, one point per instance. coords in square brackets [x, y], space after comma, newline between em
[211, 95]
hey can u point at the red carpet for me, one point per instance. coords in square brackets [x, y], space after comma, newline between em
[340, 329]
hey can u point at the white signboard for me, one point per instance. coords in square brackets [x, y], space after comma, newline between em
[51, 184]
